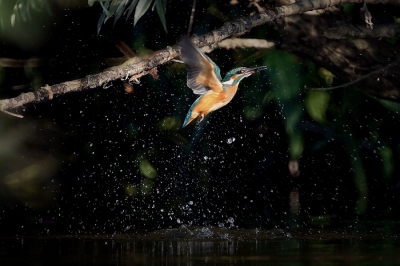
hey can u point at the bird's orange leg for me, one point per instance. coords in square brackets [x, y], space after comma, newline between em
[202, 117]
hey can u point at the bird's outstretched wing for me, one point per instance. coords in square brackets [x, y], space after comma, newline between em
[203, 74]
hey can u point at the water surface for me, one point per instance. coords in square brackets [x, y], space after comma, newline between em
[205, 245]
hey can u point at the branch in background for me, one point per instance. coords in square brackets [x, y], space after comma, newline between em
[234, 43]
[192, 17]
[20, 63]
[379, 31]
[12, 114]
[254, 3]
[367, 16]
[125, 49]
[356, 80]
[161, 57]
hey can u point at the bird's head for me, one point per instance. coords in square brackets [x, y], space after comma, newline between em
[234, 76]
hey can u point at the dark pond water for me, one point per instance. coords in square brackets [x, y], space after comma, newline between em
[202, 245]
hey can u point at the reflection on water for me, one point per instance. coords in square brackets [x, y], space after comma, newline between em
[148, 249]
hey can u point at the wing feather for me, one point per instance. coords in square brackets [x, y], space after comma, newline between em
[203, 74]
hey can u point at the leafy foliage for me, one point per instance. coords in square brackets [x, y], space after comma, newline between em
[118, 8]
[22, 10]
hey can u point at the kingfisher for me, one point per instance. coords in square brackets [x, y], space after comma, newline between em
[204, 78]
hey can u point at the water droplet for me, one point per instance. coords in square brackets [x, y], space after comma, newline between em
[230, 140]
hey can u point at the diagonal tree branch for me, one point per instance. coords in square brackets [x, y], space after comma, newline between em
[144, 66]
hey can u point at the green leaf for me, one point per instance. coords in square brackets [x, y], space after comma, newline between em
[131, 8]
[147, 169]
[251, 113]
[326, 74]
[115, 4]
[119, 11]
[317, 105]
[284, 72]
[141, 9]
[389, 105]
[91, 2]
[386, 154]
[161, 14]
[105, 7]
[392, 40]
[35, 6]
[168, 123]
[287, 89]
[348, 8]
[269, 96]
[296, 145]
[103, 16]
[17, 12]
[28, 12]
[360, 176]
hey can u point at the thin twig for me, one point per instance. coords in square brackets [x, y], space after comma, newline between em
[125, 49]
[12, 114]
[259, 8]
[367, 16]
[177, 61]
[192, 17]
[354, 81]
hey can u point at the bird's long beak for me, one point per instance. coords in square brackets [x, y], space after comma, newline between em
[253, 70]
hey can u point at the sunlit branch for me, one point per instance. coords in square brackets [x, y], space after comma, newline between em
[234, 43]
[237, 43]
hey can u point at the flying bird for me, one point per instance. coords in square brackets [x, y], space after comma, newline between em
[204, 78]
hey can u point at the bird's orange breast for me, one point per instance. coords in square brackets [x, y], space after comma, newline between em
[212, 101]
[230, 93]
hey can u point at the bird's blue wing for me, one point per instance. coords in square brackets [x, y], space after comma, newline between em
[203, 74]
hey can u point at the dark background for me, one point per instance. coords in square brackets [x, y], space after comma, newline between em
[109, 161]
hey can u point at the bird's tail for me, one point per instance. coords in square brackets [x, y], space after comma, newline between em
[189, 118]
